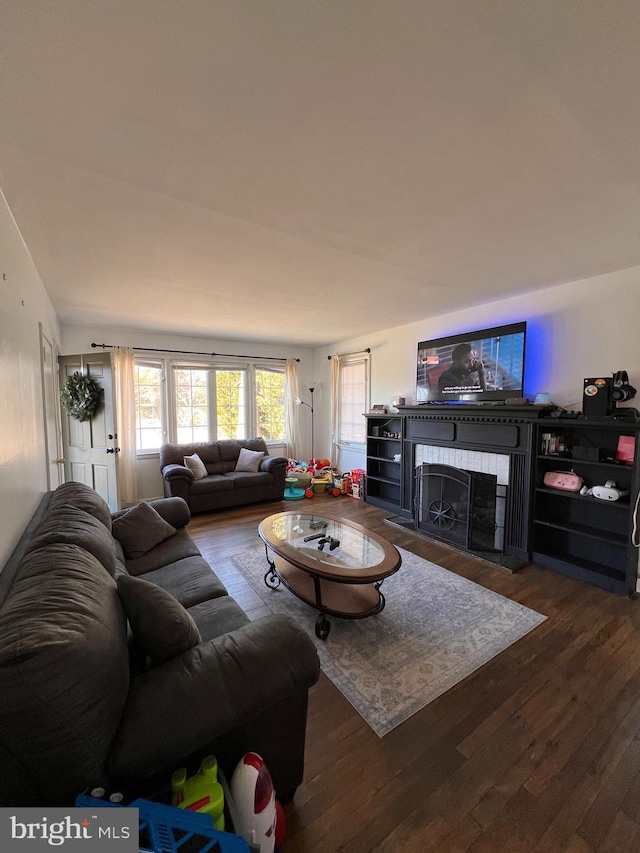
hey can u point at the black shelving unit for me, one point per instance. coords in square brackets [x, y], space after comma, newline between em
[384, 471]
[577, 534]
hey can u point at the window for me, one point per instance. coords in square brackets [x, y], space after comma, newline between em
[192, 405]
[230, 396]
[270, 388]
[353, 396]
[205, 401]
[148, 394]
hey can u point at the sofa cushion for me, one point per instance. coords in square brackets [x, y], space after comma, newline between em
[73, 526]
[249, 460]
[245, 480]
[217, 617]
[175, 548]
[140, 529]
[159, 622]
[83, 497]
[212, 483]
[190, 580]
[64, 670]
[196, 466]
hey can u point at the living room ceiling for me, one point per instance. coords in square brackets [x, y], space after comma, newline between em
[308, 172]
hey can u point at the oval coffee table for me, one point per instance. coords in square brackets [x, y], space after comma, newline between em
[333, 565]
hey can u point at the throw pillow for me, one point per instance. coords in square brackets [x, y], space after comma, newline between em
[159, 623]
[140, 529]
[196, 466]
[249, 460]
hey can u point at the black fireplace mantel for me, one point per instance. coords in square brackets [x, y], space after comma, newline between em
[489, 429]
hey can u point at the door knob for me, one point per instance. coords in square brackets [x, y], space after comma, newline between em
[60, 461]
[110, 450]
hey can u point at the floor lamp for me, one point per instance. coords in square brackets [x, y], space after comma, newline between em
[300, 402]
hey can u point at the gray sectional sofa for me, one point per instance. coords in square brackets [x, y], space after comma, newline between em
[122, 658]
[223, 486]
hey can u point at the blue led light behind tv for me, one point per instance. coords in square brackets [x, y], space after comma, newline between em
[502, 352]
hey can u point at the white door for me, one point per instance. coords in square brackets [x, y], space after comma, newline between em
[51, 407]
[90, 447]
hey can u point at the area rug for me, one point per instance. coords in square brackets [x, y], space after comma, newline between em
[436, 629]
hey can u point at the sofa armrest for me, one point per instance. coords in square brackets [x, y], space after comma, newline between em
[177, 472]
[186, 703]
[173, 510]
[271, 463]
[176, 481]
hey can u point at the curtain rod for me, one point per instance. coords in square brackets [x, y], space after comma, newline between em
[357, 352]
[191, 352]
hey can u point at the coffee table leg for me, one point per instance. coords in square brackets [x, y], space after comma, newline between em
[323, 626]
[271, 579]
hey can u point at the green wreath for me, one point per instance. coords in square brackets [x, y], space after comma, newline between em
[81, 396]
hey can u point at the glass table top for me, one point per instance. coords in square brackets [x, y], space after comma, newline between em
[329, 541]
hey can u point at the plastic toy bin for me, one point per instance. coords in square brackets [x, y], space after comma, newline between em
[169, 829]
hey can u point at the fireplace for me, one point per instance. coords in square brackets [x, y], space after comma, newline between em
[463, 508]
[461, 496]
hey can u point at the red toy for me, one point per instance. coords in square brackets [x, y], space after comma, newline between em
[255, 800]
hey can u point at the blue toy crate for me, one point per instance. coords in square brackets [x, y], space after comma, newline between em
[167, 829]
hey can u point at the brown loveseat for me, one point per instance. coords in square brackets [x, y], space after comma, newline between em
[223, 486]
[104, 680]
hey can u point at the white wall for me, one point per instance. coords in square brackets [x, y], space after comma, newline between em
[25, 304]
[586, 328]
[78, 339]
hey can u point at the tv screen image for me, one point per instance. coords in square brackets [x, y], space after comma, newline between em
[472, 367]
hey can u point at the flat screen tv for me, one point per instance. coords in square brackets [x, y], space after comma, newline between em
[472, 367]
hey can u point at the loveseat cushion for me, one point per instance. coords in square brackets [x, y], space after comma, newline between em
[244, 480]
[160, 624]
[212, 483]
[140, 529]
[189, 580]
[64, 674]
[68, 524]
[83, 497]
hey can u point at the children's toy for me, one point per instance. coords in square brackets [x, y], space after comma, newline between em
[166, 829]
[255, 800]
[200, 793]
[291, 493]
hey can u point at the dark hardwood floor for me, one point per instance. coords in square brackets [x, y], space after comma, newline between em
[539, 750]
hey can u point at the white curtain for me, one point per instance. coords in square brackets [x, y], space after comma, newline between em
[123, 365]
[292, 412]
[335, 407]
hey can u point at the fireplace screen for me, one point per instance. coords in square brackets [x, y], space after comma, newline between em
[458, 507]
